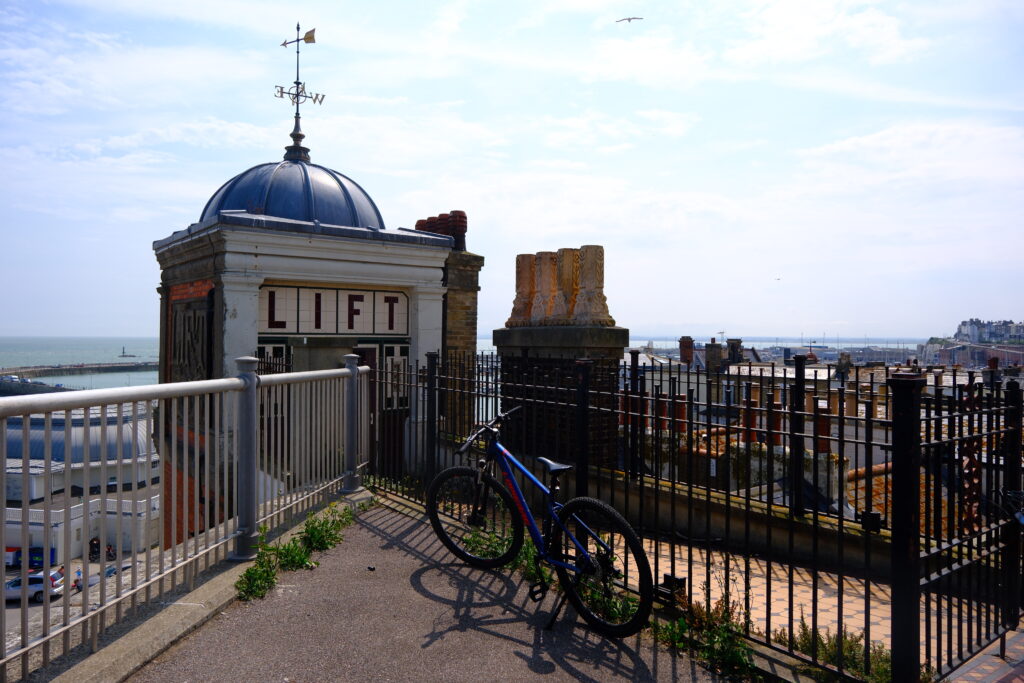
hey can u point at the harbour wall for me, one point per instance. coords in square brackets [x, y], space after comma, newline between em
[36, 371]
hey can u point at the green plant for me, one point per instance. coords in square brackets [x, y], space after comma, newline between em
[323, 531]
[487, 543]
[616, 607]
[845, 645]
[319, 532]
[256, 581]
[527, 563]
[494, 543]
[714, 632]
[294, 555]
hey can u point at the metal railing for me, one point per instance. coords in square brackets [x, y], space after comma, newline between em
[777, 493]
[121, 495]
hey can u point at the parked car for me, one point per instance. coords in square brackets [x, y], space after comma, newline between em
[37, 586]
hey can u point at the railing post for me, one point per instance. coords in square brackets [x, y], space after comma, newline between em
[430, 422]
[1012, 482]
[906, 525]
[352, 480]
[796, 437]
[634, 408]
[583, 370]
[248, 458]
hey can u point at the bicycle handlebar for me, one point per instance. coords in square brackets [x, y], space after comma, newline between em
[490, 425]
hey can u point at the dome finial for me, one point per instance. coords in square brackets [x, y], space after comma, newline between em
[295, 151]
[297, 94]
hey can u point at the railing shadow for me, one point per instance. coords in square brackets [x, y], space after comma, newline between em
[486, 602]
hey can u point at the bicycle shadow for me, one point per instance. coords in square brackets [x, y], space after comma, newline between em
[496, 604]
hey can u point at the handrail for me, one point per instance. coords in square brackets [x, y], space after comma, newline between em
[87, 398]
[277, 379]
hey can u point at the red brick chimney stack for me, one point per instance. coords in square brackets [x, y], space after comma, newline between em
[453, 224]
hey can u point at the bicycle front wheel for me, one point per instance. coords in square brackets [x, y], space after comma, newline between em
[611, 588]
[477, 522]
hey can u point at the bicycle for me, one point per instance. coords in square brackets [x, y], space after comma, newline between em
[598, 558]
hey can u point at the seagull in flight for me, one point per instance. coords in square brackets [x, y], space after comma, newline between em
[628, 19]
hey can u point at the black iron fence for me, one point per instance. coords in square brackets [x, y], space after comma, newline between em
[862, 520]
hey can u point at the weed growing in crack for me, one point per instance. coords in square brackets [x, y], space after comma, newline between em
[258, 580]
[714, 631]
[319, 532]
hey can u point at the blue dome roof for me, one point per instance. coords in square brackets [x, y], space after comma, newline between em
[300, 191]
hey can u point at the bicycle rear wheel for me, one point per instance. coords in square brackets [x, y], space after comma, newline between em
[613, 590]
[477, 522]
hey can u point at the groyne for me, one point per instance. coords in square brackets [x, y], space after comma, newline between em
[35, 371]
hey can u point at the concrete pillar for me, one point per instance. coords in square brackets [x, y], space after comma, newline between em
[239, 295]
[425, 307]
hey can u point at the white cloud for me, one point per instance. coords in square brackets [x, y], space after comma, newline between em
[858, 87]
[77, 72]
[260, 16]
[670, 123]
[879, 35]
[589, 129]
[210, 132]
[968, 153]
[653, 58]
[802, 30]
[425, 138]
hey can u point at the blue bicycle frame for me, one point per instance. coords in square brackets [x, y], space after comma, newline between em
[506, 461]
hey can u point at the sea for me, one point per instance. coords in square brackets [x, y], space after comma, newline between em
[29, 351]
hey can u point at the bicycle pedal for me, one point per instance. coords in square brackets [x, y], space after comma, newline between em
[538, 591]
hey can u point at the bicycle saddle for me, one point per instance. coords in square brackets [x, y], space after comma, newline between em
[554, 467]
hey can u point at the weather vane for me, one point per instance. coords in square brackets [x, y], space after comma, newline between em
[297, 94]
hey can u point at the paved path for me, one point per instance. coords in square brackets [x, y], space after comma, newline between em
[416, 615]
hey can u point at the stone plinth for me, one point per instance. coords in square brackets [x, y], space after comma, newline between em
[573, 341]
[539, 373]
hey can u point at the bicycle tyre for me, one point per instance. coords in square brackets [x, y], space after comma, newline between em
[487, 538]
[615, 595]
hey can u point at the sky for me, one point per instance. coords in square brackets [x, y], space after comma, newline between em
[841, 168]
